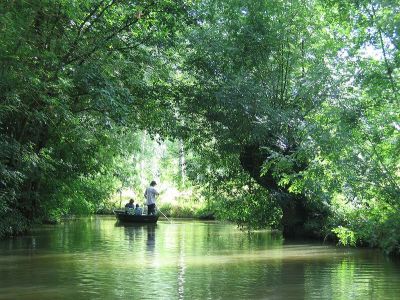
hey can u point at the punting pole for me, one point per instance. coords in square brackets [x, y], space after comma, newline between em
[163, 214]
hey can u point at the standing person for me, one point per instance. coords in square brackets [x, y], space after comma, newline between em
[150, 195]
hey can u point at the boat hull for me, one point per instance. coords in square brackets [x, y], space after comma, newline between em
[126, 218]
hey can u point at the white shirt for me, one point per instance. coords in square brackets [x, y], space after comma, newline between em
[150, 195]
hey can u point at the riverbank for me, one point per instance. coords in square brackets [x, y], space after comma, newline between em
[174, 212]
[179, 207]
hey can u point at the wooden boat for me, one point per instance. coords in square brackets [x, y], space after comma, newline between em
[122, 216]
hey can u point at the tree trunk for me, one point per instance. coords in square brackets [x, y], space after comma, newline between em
[182, 163]
[294, 207]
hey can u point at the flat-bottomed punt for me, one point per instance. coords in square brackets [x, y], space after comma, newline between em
[122, 216]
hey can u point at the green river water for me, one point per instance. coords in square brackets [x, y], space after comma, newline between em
[96, 258]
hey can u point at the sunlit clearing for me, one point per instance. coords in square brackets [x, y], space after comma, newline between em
[371, 52]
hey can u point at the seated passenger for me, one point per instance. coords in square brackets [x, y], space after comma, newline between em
[129, 207]
[138, 210]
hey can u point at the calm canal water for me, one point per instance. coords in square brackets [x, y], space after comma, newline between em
[95, 258]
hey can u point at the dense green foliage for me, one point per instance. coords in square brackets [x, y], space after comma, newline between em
[284, 113]
[356, 133]
[78, 78]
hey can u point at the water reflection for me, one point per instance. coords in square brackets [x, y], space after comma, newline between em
[151, 238]
[96, 258]
[181, 268]
[135, 233]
